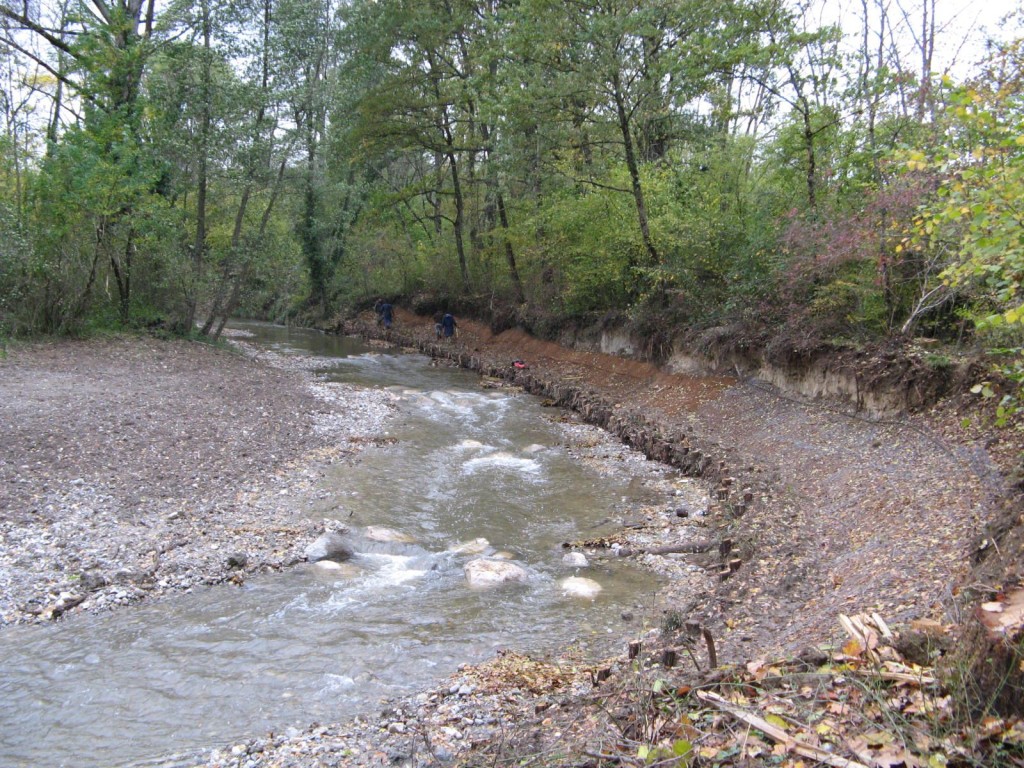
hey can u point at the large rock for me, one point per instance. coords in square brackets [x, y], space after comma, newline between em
[577, 586]
[335, 571]
[575, 560]
[330, 546]
[473, 547]
[484, 572]
[380, 533]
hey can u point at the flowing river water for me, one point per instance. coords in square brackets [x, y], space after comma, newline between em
[157, 684]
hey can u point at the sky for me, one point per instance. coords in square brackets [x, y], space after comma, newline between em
[962, 26]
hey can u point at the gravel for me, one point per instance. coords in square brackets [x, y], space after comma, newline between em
[133, 467]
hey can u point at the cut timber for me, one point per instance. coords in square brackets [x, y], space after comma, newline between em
[692, 548]
[710, 641]
[802, 749]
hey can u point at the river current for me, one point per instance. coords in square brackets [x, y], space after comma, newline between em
[160, 683]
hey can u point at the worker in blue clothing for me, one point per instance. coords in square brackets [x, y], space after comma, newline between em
[449, 327]
[386, 314]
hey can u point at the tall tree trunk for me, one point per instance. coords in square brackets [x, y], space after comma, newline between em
[457, 226]
[812, 170]
[449, 139]
[122, 272]
[225, 302]
[236, 289]
[202, 182]
[634, 170]
[499, 199]
[510, 256]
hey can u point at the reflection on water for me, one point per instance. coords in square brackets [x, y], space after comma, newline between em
[319, 643]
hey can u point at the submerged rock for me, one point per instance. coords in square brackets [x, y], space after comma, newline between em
[380, 533]
[473, 547]
[577, 586]
[484, 572]
[330, 546]
[575, 560]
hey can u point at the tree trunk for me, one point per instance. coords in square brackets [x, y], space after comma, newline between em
[634, 172]
[812, 171]
[510, 257]
[458, 224]
[199, 245]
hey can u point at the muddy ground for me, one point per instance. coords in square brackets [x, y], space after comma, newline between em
[129, 467]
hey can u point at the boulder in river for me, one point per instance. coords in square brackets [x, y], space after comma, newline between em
[380, 533]
[474, 547]
[577, 586]
[575, 560]
[335, 571]
[330, 546]
[484, 572]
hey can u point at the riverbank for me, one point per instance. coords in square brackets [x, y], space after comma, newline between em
[131, 467]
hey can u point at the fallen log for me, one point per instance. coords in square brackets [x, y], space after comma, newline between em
[692, 548]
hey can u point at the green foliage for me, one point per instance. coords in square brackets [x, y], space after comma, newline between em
[16, 276]
[589, 251]
[976, 215]
[704, 163]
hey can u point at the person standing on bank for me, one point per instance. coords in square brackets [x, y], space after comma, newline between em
[449, 327]
[386, 314]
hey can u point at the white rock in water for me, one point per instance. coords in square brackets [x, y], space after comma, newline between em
[346, 570]
[470, 444]
[329, 546]
[577, 586]
[535, 448]
[490, 573]
[474, 547]
[575, 560]
[380, 533]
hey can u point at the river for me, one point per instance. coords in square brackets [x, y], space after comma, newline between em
[159, 683]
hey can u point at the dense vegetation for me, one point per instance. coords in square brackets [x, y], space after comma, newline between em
[710, 164]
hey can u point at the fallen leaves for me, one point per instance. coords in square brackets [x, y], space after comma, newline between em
[869, 708]
[1004, 617]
